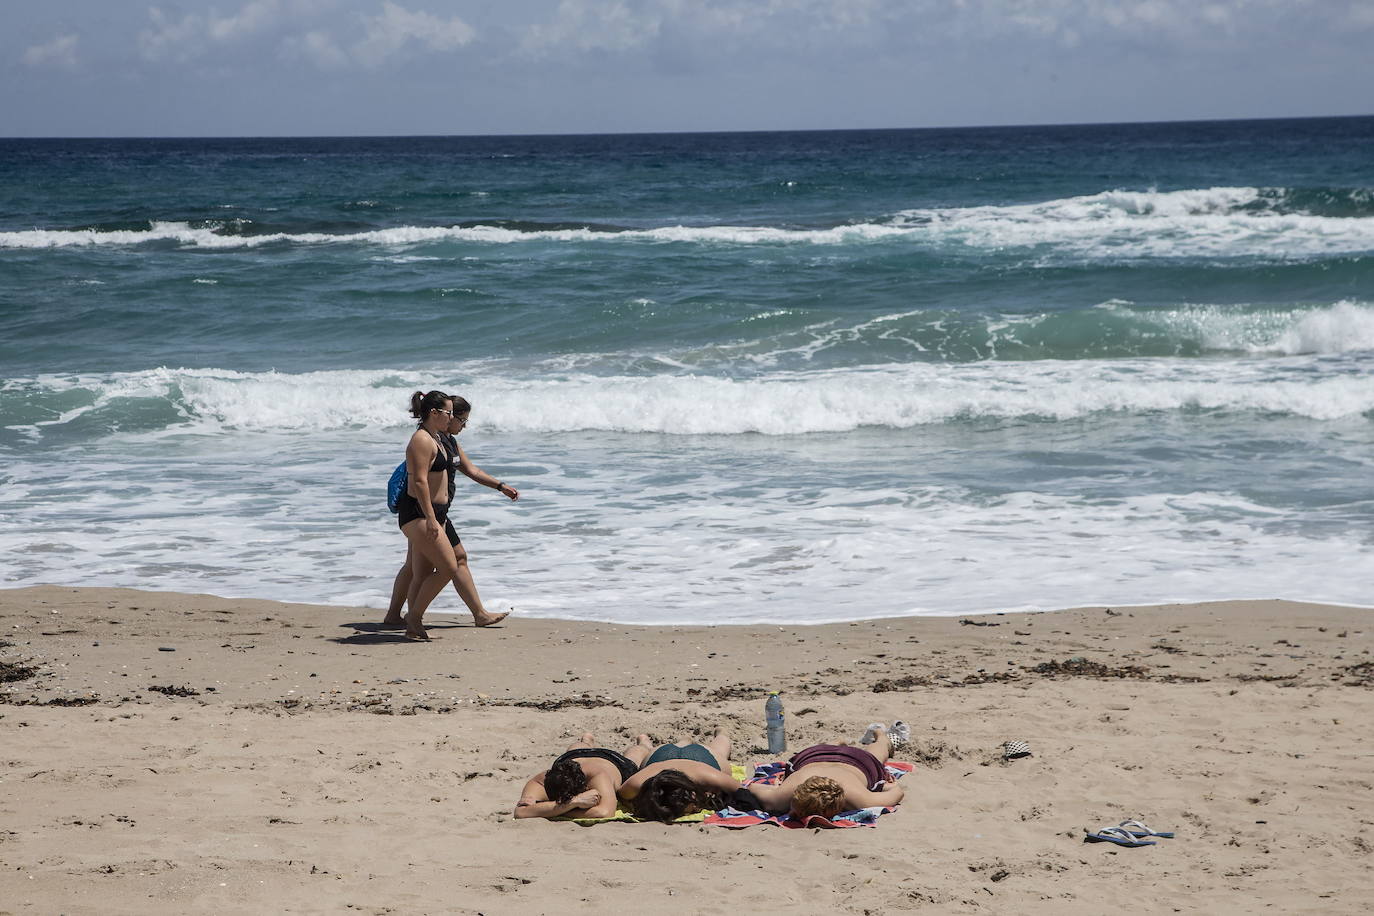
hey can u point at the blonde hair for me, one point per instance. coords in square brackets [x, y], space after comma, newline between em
[819, 795]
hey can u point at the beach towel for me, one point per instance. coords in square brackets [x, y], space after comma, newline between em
[768, 774]
[623, 813]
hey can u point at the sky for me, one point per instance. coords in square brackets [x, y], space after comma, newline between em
[388, 67]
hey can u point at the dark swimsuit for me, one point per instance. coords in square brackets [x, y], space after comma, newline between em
[622, 763]
[865, 762]
[408, 507]
[697, 752]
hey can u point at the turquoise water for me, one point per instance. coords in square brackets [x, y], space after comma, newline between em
[775, 376]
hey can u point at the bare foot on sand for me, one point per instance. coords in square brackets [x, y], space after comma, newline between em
[488, 620]
[415, 630]
[393, 623]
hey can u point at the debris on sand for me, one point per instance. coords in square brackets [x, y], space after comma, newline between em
[172, 691]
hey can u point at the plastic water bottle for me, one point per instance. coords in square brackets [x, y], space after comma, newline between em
[777, 740]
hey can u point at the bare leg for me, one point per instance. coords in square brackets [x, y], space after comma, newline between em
[585, 741]
[399, 589]
[640, 750]
[426, 554]
[881, 746]
[430, 588]
[437, 553]
[434, 583]
[719, 746]
[467, 590]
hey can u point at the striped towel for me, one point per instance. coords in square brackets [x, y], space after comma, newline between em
[768, 774]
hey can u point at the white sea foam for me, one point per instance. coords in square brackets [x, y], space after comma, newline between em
[615, 540]
[1344, 327]
[772, 403]
[198, 237]
[1212, 222]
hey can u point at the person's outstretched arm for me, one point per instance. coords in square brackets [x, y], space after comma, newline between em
[774, 799]
[890, 794]
[534, 802]
[468, 469]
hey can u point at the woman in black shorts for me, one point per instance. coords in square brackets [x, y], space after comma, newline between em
[434, 581]
[422, 513]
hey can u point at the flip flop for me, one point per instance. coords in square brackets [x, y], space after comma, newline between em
[899, 735]
[1138, 829]
[1118, 836]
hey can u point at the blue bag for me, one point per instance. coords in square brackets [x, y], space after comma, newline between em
[395, 487]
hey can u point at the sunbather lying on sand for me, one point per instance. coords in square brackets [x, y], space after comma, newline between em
[582, 781]
[826, 779]
[679, 779]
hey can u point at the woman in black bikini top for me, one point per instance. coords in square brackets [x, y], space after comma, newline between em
[434, 547]
[583, 780]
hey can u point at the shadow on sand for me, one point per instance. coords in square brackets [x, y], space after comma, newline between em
[371, 632]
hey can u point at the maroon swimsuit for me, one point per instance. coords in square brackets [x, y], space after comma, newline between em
[873, 771]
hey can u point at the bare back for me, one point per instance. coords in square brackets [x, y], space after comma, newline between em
[702, 774]
[850, 779]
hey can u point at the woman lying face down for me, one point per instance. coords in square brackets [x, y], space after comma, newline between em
[583, 781]
[680, 779]
[827, 779]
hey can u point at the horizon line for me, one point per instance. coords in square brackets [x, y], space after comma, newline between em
[670, 133]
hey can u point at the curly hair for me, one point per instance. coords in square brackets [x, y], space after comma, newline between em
[668, 795]
[818, 795]
[564, 780]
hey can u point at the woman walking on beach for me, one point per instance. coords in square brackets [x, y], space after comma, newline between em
[435, 581]
[435, 550]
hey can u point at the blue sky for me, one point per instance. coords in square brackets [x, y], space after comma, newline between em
[310, 67]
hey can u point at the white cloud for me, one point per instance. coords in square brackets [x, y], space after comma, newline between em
[60, 52]
[600, 25]
[622, 25]
[398, 27]
[322, 51]
[382, 32]
[254, 16]
[167, 37]
[191, 34]
[1361, 14]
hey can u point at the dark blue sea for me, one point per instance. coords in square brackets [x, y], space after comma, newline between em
[737, 377]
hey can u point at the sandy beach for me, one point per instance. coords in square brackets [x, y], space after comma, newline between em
[168, 753]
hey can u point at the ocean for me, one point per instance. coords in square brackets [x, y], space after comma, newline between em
[751, 377]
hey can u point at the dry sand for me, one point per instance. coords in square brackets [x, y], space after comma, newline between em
[291, 758]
